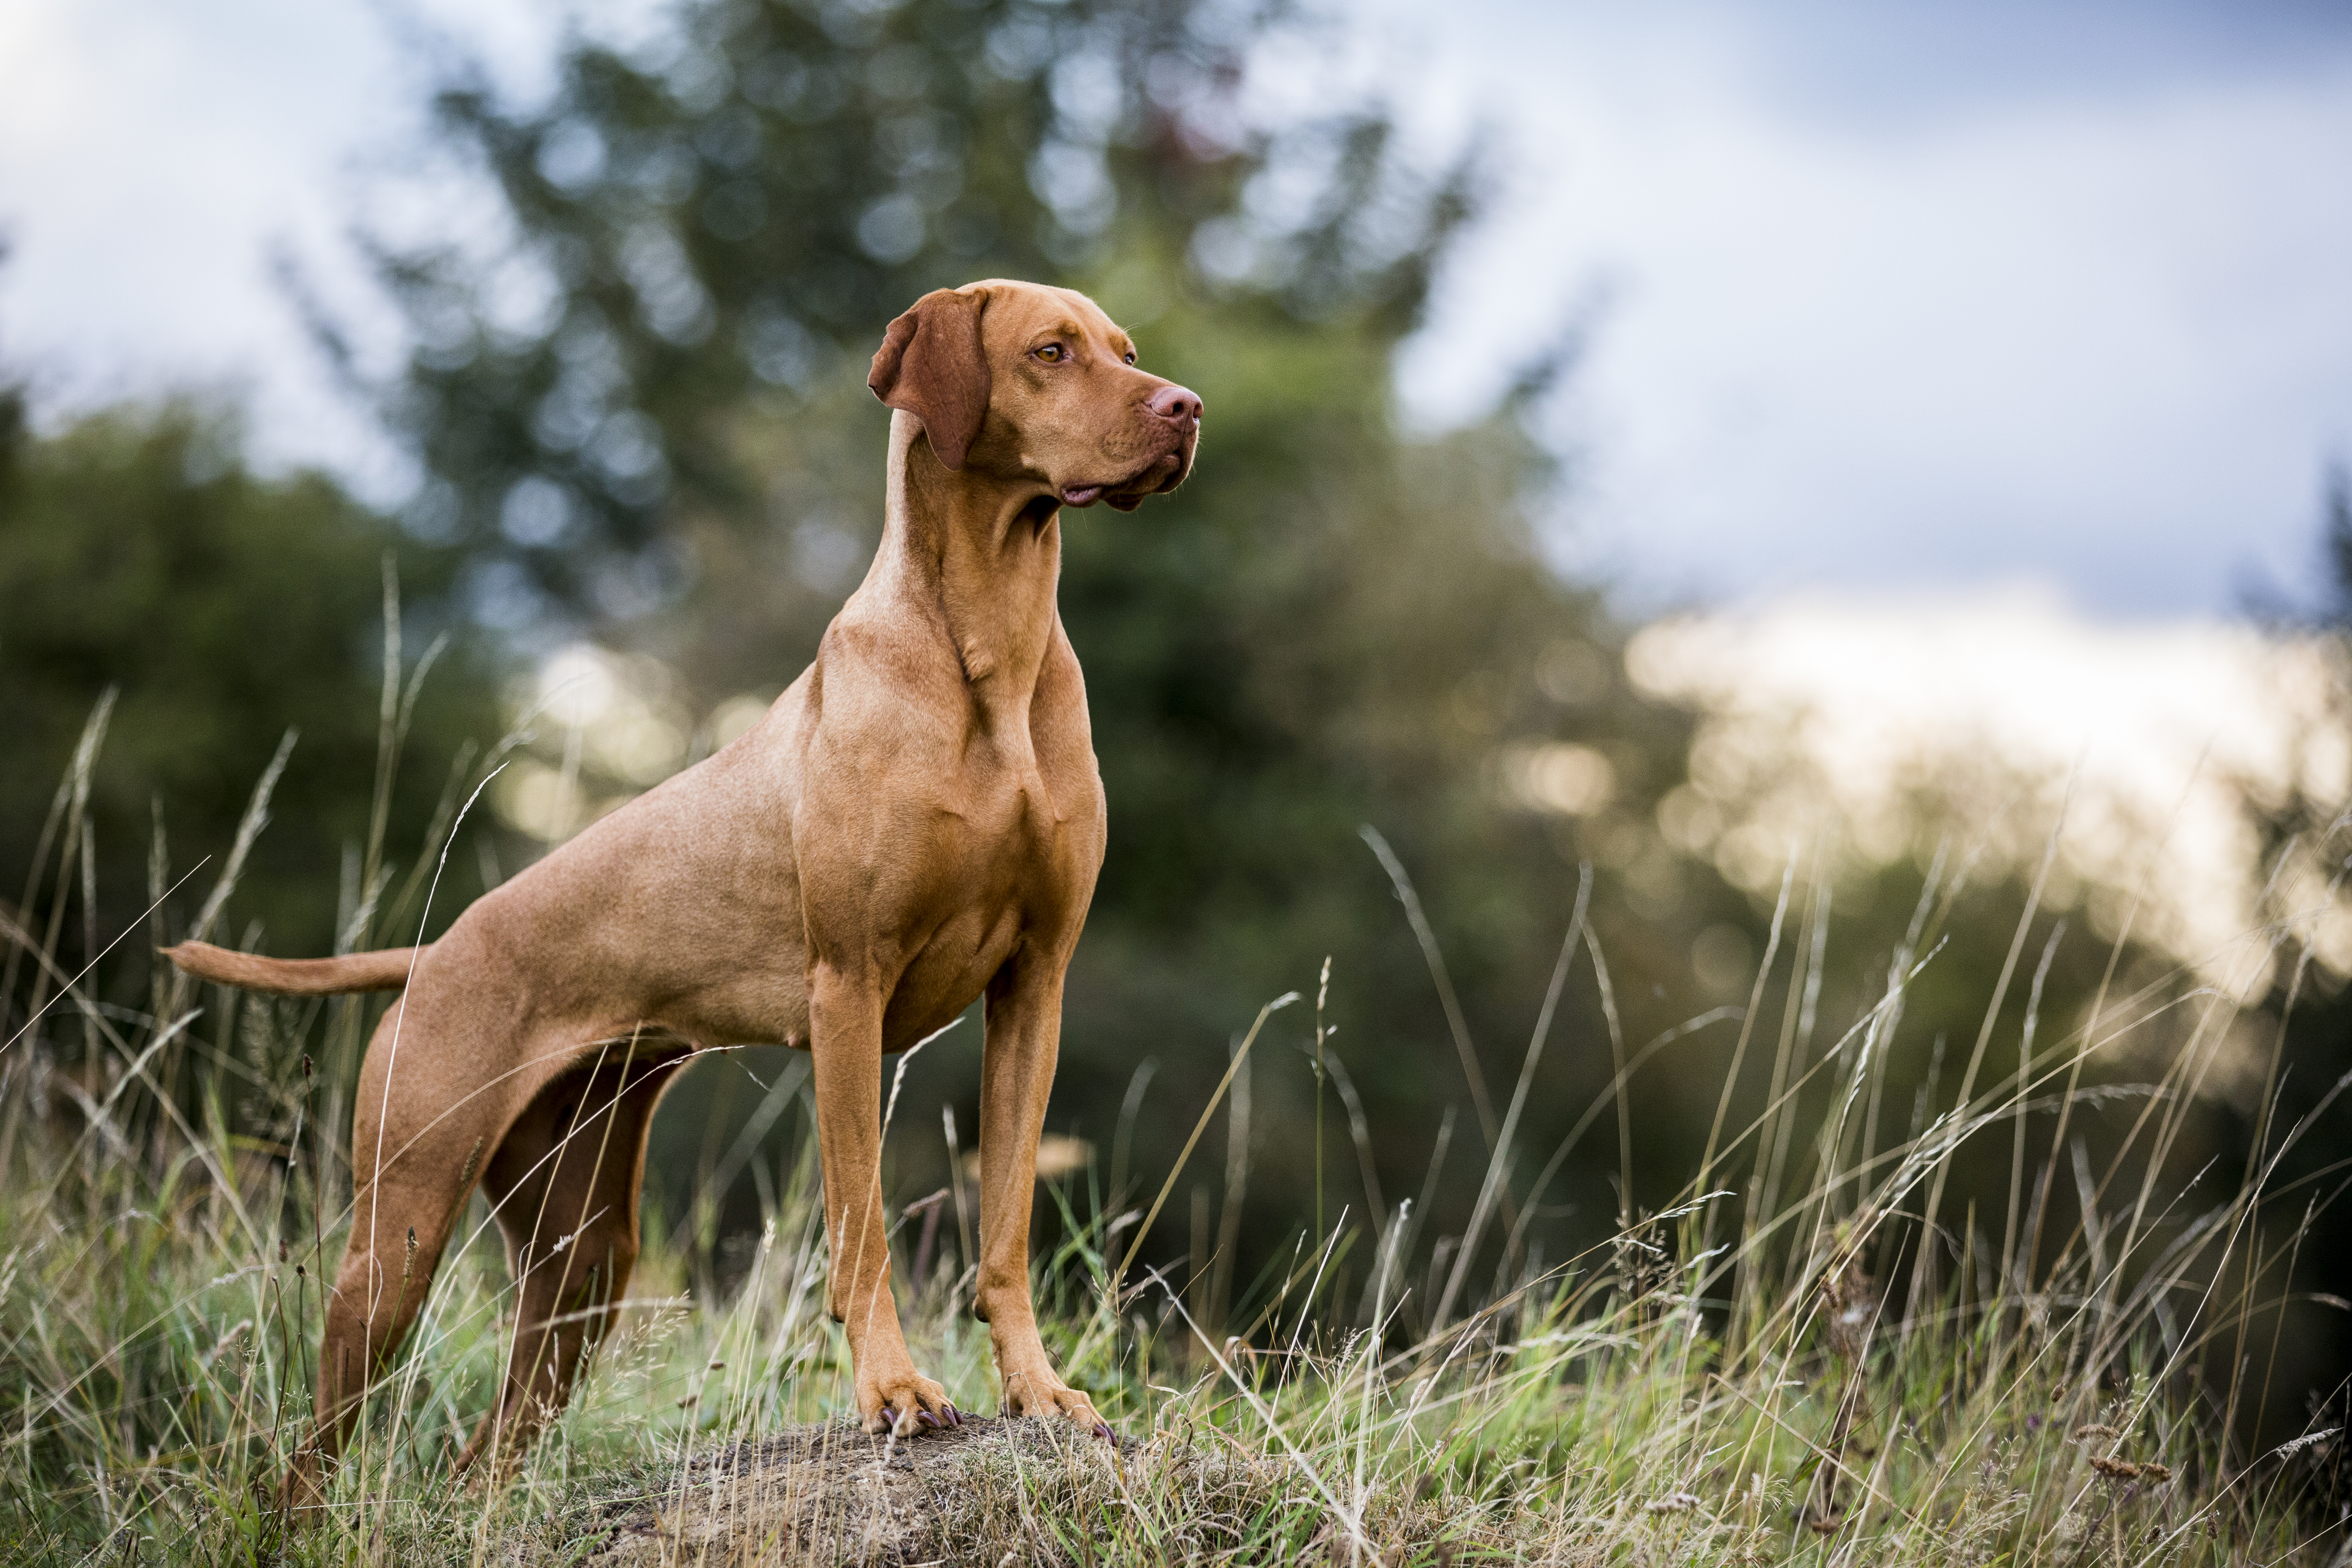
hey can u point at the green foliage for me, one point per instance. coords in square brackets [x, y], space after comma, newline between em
[2304, 838]
[699, 229]
[139, 555]
[1704, 1391]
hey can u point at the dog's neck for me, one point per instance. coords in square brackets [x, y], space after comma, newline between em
[976, 552]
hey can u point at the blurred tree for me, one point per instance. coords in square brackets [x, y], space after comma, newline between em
[139, 554]
[2306, 1020]
[696, 229]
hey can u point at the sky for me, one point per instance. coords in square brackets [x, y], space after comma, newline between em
[1922, 296]
[1884, 297]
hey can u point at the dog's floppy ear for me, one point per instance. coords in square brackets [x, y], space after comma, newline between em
[930, 365]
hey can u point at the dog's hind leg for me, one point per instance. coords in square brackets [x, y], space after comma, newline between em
[442, 1080]
[564, 1185]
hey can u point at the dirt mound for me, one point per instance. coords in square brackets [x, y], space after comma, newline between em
[830, 1494]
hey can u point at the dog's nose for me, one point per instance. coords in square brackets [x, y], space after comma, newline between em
[1173, 401]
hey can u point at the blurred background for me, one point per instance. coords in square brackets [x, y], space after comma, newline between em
[1828, 481]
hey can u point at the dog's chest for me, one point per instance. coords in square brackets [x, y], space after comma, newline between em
[1027, 833]
[1025, 846]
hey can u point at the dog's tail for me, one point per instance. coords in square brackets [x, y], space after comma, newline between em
[384, 971]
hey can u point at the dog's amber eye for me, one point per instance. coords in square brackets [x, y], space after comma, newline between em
[1051, 353]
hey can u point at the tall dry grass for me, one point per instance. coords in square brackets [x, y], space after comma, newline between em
[1764, 1370]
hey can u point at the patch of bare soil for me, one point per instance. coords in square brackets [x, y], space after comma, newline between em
[830, 1494]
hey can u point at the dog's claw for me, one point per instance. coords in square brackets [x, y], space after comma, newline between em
[928, 1419]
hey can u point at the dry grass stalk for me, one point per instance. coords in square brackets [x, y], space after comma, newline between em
[1675, 1393]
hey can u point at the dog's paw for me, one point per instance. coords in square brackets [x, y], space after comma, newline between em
[904, 1404]
[1040, 1392]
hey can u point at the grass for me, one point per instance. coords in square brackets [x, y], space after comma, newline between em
[1761, 1371]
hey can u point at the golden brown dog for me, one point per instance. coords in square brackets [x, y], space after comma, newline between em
[917, 823]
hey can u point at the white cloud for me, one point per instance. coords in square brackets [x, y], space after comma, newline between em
[2098, 337]
[1836, 717]
[148, 154]
[151, 156]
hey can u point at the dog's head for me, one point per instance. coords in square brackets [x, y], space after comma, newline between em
[1035, 386]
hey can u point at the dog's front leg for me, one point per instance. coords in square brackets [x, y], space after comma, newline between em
[1024, 1037]
[846, 1041]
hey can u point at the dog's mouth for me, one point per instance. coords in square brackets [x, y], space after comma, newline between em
[1161, 475]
